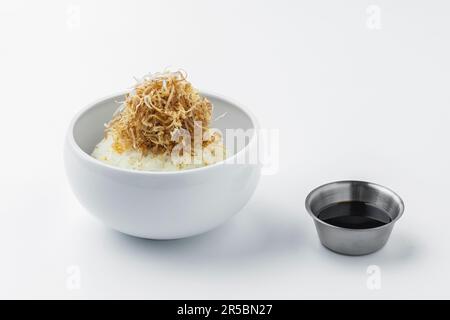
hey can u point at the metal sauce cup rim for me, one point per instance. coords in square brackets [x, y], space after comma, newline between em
[375, 185]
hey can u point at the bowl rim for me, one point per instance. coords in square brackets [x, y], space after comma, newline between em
[378, 186]
[87, 157]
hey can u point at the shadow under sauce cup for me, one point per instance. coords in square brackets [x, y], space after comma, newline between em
[354, 217]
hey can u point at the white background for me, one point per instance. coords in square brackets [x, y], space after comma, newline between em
[350, 101]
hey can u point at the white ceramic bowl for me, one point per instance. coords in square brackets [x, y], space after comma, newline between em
[159, 205]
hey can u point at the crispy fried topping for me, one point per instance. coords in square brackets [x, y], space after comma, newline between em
[154, 110]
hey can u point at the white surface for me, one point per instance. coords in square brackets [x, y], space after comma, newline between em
[350, 102]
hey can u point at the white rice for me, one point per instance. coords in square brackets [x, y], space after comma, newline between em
[133, 159]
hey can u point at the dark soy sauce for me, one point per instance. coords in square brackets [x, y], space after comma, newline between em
[354, 215]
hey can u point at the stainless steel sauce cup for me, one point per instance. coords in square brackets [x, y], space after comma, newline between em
[354, 241]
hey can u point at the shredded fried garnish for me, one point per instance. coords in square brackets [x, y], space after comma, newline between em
[154, 110]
